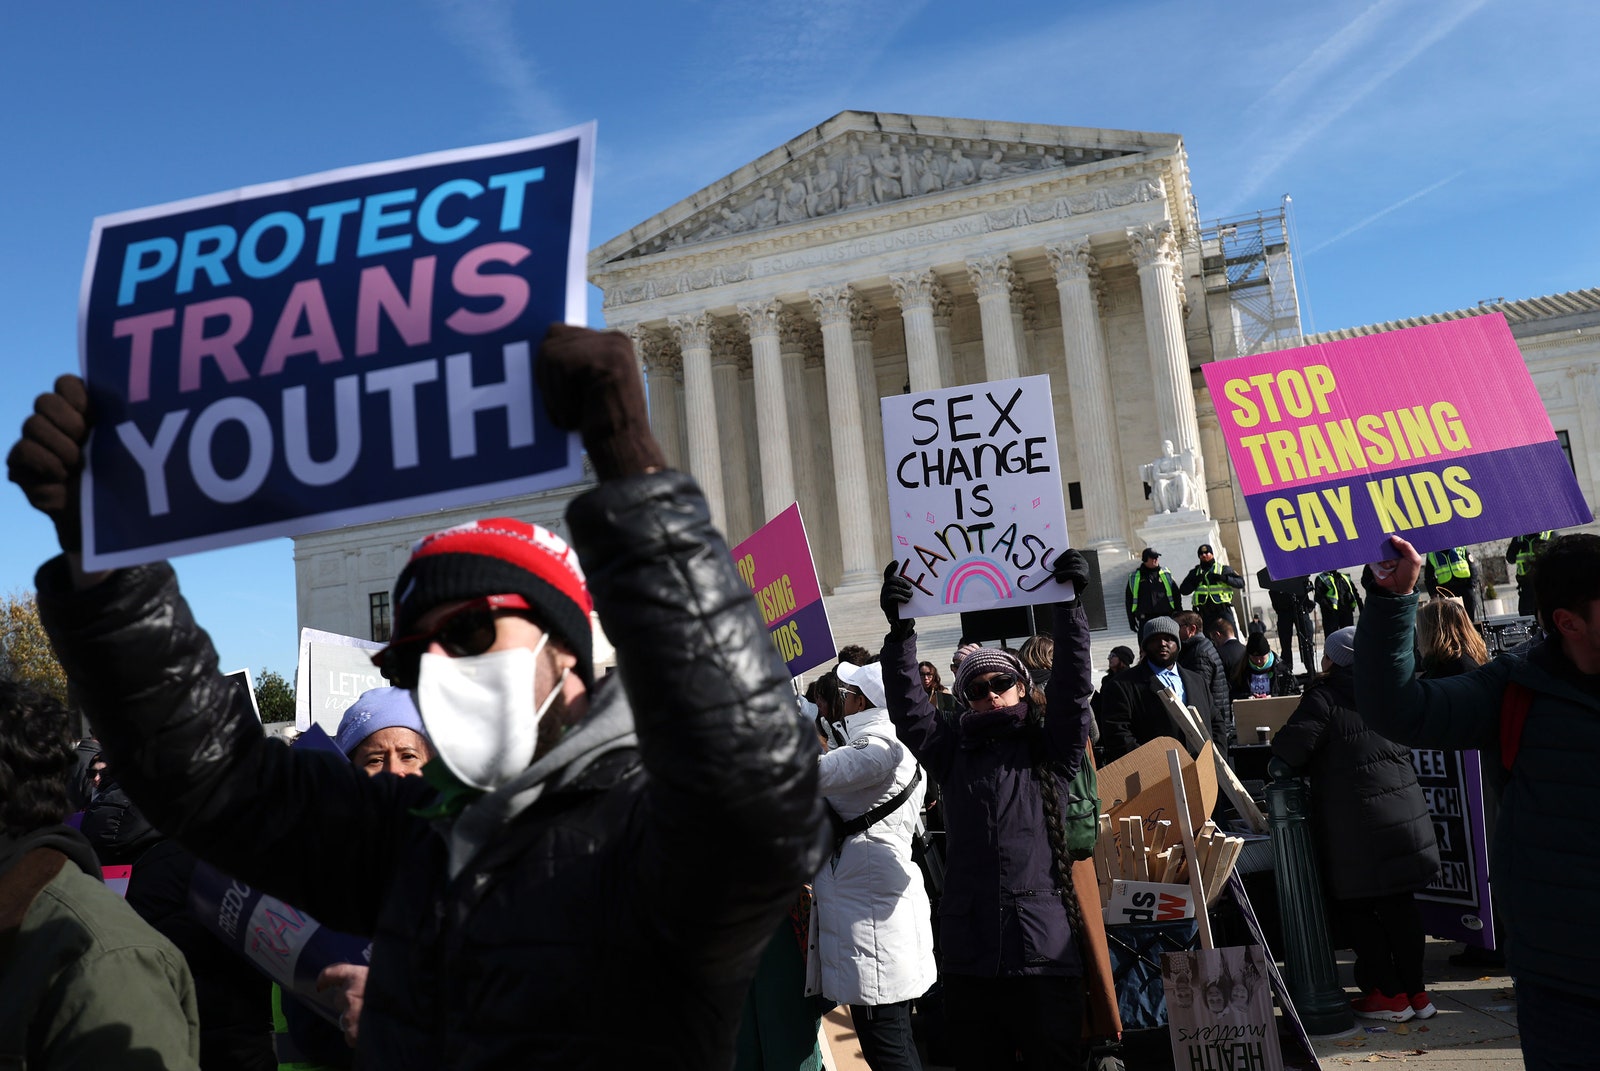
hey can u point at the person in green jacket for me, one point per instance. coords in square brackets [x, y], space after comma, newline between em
[84, 981]
[1535, 712]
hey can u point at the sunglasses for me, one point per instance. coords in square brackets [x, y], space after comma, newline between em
[468, 630]
[999, 684]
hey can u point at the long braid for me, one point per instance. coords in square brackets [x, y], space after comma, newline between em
[1050, 776]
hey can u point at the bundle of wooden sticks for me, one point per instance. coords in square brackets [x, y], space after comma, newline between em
[1130, 849]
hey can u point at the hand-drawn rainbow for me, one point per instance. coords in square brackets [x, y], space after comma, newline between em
[977, 569]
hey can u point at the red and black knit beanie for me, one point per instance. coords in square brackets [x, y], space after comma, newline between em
[501, 556]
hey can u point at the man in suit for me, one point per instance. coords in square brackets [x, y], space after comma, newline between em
[1131, 709]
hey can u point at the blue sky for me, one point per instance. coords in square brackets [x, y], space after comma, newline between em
[1438, 152]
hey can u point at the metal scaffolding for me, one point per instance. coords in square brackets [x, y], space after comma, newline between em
[1249, 281]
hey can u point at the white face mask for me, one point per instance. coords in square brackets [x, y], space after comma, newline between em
[479, 712]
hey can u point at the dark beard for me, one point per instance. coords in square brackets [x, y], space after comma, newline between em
[555, 723]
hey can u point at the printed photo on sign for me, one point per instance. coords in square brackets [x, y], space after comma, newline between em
[330, 350]
[1219, 1009]
[975, 495]
[1337, 446]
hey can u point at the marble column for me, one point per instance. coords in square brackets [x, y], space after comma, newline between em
[944, 308]
[851, 482]
[814, 509]
[863, 322]
[1094, 419]
[1022, 305]
[661, 364]
[1155, 253]
[726, 362]
[700, 410]
[914, 291]
[1586, 386]
[991, 281]
[772, 413]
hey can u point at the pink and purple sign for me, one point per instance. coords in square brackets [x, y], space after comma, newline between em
[1435, 434]
[776, 562]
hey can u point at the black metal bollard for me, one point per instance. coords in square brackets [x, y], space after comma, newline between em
[1308, 959]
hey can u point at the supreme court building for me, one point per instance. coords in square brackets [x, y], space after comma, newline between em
[877, 254]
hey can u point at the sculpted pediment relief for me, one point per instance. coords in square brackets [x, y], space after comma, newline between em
[861, 170]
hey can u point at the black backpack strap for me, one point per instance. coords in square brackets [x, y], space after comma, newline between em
[883, 810]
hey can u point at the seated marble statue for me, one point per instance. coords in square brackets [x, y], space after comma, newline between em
[1175, 479]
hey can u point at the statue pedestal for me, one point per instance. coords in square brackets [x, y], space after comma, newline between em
[1176, 535]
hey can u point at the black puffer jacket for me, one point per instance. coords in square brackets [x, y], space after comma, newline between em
[617, 908]
[1374, 836]
[1200, 654]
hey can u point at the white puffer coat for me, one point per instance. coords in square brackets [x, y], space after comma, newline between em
[871, 930]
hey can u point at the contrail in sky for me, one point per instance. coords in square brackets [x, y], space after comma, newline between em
[1348, 231]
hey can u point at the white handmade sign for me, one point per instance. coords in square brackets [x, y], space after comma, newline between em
[975, 495]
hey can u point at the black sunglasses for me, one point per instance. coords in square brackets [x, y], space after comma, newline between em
[466, 631]
[999, 684]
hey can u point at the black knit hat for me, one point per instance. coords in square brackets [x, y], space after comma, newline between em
[501, 556]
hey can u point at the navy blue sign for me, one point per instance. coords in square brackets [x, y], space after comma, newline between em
[331, 350]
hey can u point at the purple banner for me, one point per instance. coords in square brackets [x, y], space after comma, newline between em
[1457, 906]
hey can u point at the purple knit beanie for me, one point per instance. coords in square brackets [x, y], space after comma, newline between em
[989, 660]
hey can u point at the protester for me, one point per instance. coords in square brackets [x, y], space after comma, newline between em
[1196, 652]
[1132, 710]
[1151, 591]
[1225, 638]
[1212, 584]
[1010, 921]
[1373, 831]
[381, 732]
[942, 699]
[1537, 712]
[1038, 653]
[574, 848]
[874, 946]
[1262, 673]
[84, 982]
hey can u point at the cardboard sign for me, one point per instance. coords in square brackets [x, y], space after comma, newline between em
[975, 495]
[332, 672]
[330, 350]
[1139, 784]
[1457, 906]
[776, 562]
[1147, 901]
[1435, 434]
[1270, 713]
[1219, 1009]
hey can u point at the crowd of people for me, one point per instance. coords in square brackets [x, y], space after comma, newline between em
[677, 865]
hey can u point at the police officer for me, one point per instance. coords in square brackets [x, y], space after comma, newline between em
[1212, 585]
[1151, 591]
[1291, 601]
[1521, 552]
[1336, 598]
[1452, 570]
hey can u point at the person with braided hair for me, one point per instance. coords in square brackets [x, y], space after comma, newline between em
[1011, 928]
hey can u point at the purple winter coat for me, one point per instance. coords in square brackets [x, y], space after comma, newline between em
[1001, 913]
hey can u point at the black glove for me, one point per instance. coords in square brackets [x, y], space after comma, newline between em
[48, 460]
[1070, 566]
[592, 384]
[896, 593]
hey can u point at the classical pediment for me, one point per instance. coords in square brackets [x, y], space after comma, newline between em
[862, 162]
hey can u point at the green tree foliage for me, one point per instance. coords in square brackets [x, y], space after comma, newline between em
[275, 697]
[25, 653]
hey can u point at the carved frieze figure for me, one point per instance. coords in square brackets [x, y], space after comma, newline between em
[991, 168]
[792, 207]
[734, 221]
[764, 210]
[886, 173]
[929, 179]
[857, 177]
[822, 190]
[1176, 480]
[960, 171]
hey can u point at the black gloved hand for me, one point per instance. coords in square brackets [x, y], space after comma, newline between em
[897, 591]
[592, 384]
[1070, 566]
[47, 461]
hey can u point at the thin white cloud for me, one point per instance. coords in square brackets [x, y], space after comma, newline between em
[1336, 97]
[1326, 57]
[486, 32]
[1354, 227]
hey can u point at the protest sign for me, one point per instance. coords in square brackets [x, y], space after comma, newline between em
[1435, 434]
[975, 495]
[240, 681]
[1457, 906]
[117, 878]
[1219, 1009]
[330, 350]
[775, 561]
[332, 672]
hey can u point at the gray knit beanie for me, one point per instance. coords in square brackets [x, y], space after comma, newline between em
[989, 660]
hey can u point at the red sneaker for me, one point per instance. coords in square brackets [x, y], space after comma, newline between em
[1375, 1005]
[1422, 1005]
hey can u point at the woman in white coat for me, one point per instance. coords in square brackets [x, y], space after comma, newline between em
[873, 938]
